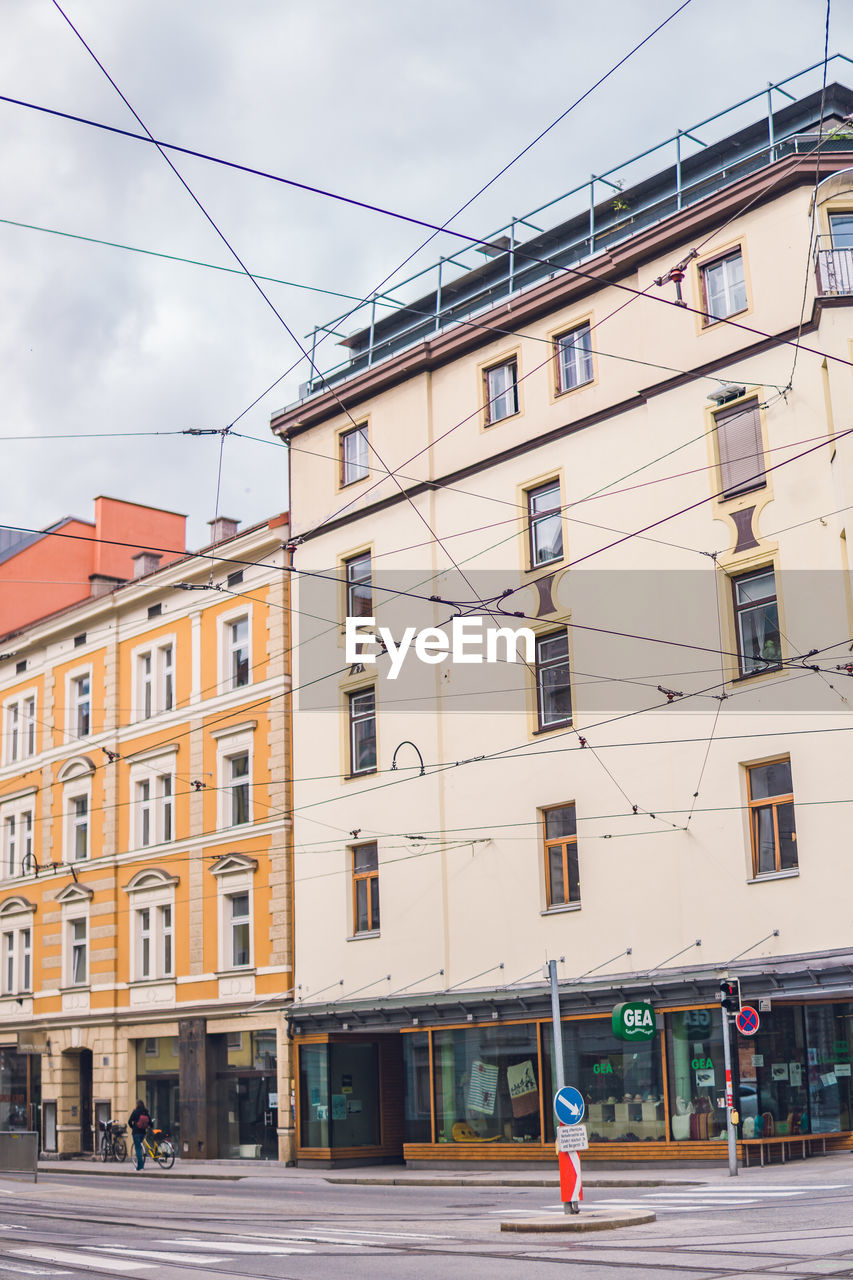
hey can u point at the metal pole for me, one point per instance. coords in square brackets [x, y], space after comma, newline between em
[770, 129]
[678, 169]
[591, 217]
[372, 330]
[438, 298]
[730, 1129]
[559, 1069]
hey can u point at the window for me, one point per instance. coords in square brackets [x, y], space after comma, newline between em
[154, 942]
[19, 729]
[237, 641]
[240, 930]
[724, 287]
[501, 387]
[238, 787]
[17, 961]
[771, 817]
[553, 686]
[841, 230]
[362, 731]
[359, 592]
[79, 828]
[18, 858]
[562, 883]
[81, 707]
[545, 523]
[756, 622]
[78, 942]
[365, 888]
[353, 455]
[740, 449]
[154, 799]
[574, 358]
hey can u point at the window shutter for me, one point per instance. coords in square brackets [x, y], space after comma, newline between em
[740, 448]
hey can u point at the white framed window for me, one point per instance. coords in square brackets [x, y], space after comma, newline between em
[152, 929]
[155, 801]
[19, 728]
[16, 946]
[78, 841]
[17, 826]
[78, 944]
[235, 649]
[154, 677]
[501, 391]
[234, 757]
[545, 523]
[76, 777]
[353, 446]
[79, 702]
[724, 287]
[75, 900]
[234, 874]
[574, 358]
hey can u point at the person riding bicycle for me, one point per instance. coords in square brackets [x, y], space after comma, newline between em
[139, 1120]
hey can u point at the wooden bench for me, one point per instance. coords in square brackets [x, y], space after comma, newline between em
[783, 1143]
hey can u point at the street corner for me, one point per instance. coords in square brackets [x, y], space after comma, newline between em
[601, 1219]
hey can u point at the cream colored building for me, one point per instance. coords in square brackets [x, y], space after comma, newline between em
[144, 832]
[607, 429]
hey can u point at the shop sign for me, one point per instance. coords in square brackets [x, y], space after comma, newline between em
[32, 1041]
[633, 1020]
[602, 1068]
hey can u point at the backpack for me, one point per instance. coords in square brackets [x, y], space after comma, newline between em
[143, 1122]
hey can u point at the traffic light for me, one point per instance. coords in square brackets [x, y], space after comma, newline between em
[730, 995]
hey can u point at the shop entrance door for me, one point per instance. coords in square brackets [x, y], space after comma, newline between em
[86, 1140]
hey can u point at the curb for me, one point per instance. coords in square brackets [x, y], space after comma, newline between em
[503, 1182]
[106, 1171]
[588, 1220]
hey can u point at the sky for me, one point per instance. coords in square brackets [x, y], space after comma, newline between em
[411, 105]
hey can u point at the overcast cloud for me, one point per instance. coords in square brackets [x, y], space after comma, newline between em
[408, 104]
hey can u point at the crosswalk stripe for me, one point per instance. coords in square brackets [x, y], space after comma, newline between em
[81, 1259]
[160, 1255]
[19, 1269]
[232, 1246]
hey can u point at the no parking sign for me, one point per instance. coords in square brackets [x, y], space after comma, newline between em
[746, 1020]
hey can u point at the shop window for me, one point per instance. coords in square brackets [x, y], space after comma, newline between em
[756, 612]
[696, 1074]
[353, 446]
[771, 818]
[574, 358]
[487, 1085]
[775, 1072]
[724, 287]
[829, 1065]
[501, 390]
[362, 731]
[418, 1125]
[740, 449]
[545, 524]
[562, 880]
[365, 888]
[359, 601]
[339, 1095]
[553, 683]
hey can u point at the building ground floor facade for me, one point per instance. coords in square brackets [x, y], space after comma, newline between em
[470, 1076]
[220, 1085]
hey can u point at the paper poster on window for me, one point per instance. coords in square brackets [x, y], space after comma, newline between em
[828, 1079]
[795, 1074]
[812, 1057]
[779, 1071]
[354, 1106]
[842, 1068]
[523, 1089]
[339, 1106]
[483, 1086]
[758, 1059]
[705, 1078]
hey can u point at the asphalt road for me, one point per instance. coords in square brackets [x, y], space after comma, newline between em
[794, 1222]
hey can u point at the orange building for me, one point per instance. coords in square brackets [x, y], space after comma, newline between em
[144, 838]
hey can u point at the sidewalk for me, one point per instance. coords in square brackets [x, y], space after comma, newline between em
[834, 1168]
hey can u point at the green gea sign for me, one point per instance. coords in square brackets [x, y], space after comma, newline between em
[633, 1020]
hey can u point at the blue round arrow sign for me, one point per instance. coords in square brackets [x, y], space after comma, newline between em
[568, 1105]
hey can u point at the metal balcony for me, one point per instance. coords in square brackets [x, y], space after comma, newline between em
[833, 268]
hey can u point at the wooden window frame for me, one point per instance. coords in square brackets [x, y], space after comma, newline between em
[560, 388]
[351, 583]
[361, 428]
[539, 667]
[489, 399]
[738, 609]
[563, 842]
[534, 518]
[727, 255]
[366, 877]
[774, 803]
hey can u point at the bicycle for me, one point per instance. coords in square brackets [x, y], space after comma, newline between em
[113, 1145]
[157, 1145]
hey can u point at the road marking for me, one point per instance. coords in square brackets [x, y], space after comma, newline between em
[19, 1270]
[241, 1246]
[81, 1259]
[159, 1255]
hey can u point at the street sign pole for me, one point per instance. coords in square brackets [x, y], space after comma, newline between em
[730, 1129]
[559, 1069]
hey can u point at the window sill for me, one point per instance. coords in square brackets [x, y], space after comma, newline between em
[559, 910]
[496, 422]
[567, 391]
[742, 493]
[239, 971]
[551, 728]
[359, 937]
[775, 875]
[548, 567]
[77, 986]
[710, 321]
[152, 982]
[365, 773]
[772, 669]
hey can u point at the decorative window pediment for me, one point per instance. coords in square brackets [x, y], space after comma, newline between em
[231, 862]
[78, 767]
[151, 878]
[16, 906]
[75, 893]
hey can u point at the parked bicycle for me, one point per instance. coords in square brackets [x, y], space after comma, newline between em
[113, 1145]
[158, 1145]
